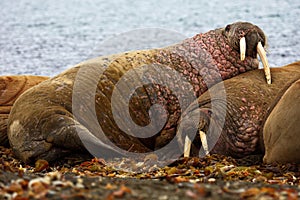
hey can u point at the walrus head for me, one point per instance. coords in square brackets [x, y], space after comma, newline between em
[237, 47]
[241, 33]
[248, 40]
[42, 124]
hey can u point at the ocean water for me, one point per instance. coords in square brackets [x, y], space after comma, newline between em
[49, 36]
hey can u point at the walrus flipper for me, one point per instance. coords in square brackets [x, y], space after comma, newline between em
[50, 136]
[171, 77]
[97, 147]
[59, 136]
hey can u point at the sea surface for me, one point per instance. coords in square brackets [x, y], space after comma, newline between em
[45, 37]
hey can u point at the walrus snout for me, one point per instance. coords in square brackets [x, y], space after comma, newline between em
[53, 119]
[245, 36]
[253, 43]
[252, 40]
[249, 40]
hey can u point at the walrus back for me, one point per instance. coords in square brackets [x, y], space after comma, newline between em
[247, 104]
[11, 87]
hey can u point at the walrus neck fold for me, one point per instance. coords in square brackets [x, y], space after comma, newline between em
[224, 55]
[205, 60]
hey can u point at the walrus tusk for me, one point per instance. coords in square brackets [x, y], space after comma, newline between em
[187, 146]
[188, 143]
[262, 54]
[243, 48]
[204, 142]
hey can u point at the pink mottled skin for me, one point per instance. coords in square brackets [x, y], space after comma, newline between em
[204, 60]
[213, 54]
[249, 101]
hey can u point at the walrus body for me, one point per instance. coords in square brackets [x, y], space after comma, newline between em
[42, 124]
[258, 117]
[11, 87]
[281, 133]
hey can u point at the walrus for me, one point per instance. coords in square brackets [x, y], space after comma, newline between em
[259, 118]
[11, 87]
[42, 123]
[282, 128]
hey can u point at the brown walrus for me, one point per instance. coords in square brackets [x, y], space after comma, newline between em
[54, 118]
[282, 128]
[258, 117]
[11, 87]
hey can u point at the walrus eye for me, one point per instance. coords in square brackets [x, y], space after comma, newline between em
[227, 28]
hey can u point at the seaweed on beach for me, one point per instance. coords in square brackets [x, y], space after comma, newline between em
[211, 177]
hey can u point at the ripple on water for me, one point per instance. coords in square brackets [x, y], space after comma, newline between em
[46, 37]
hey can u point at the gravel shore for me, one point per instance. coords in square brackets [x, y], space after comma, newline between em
[212, 177]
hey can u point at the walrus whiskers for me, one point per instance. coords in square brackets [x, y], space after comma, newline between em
[262, 53]
[79, 103]
[260, 118]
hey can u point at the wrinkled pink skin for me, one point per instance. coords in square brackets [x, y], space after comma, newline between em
[249, 101]
[48, 128]
[214, 55]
